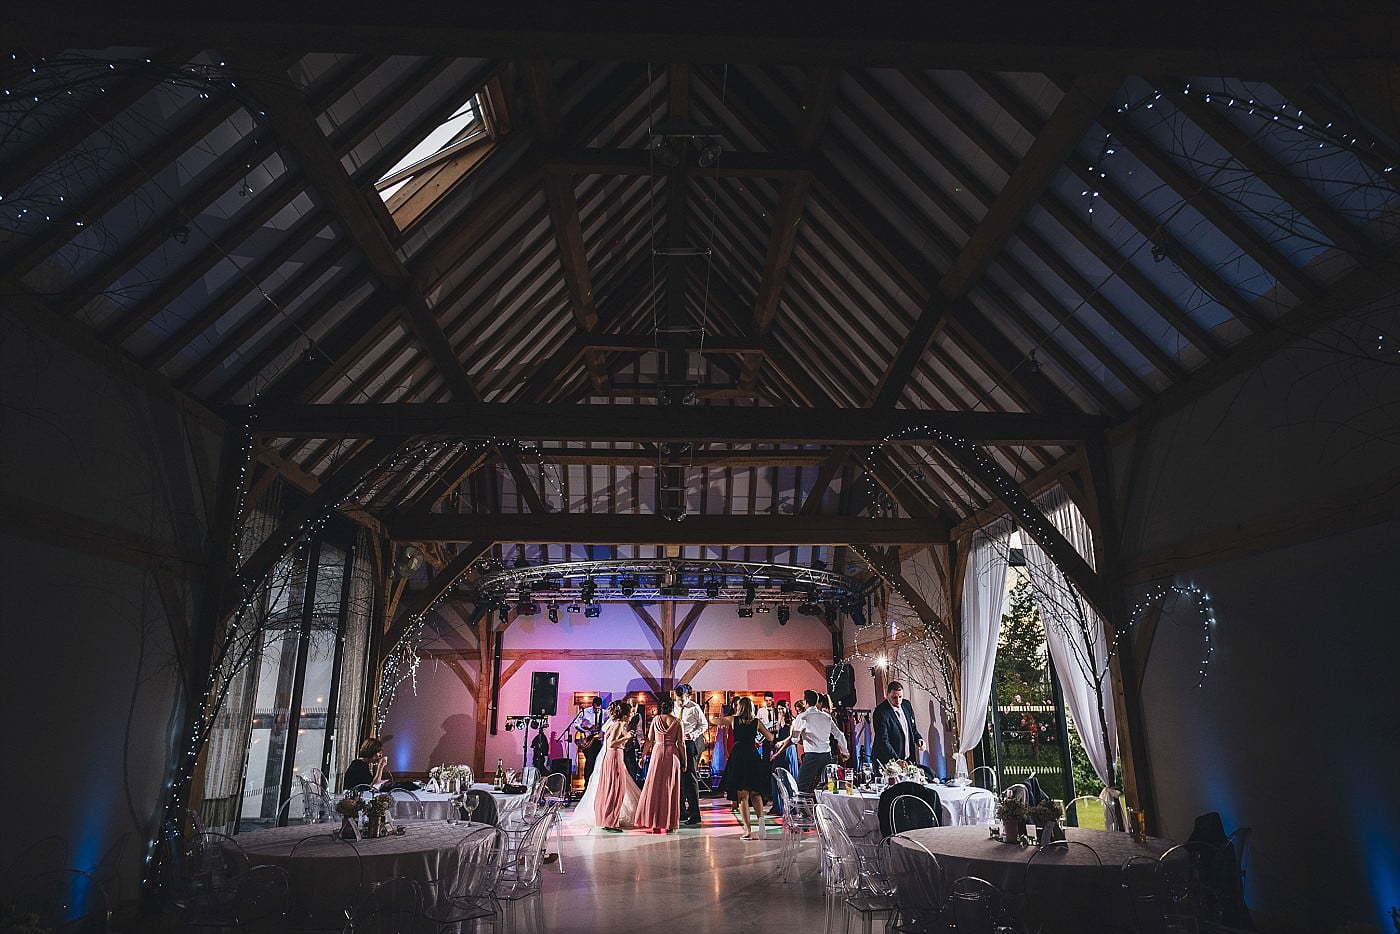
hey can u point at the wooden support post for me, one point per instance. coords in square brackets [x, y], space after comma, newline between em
[1126, 681]
[668, 644]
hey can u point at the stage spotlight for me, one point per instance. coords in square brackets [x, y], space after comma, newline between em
[712, 588]
[745, 612]
[628, 586]
[810, 609]
[589, 590]
[784, 614]
[592, 611]
[763, 609]
[749, 591]
[573, 608]
[554, 612]
[527, 609]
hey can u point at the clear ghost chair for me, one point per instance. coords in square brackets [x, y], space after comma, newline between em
[1051, 906]
[991, 777]
[322, 901]
[1151, 912]
[47, 854]
[978, 907]
[853, 883]
[910, 812]
[798, 821]
[520, 872]
[393, 906]
[468, 894]
[554, 792]
[1187, 873]
[264, 896]
[1019, 791]
[406, 805]
[1087, 811]
[303, 808]
[208, 889]
[66, 900]
[979, 807]
[916, 883]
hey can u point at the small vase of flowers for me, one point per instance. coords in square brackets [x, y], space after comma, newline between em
[1046, 816]
[1012, 814]
[349, 808]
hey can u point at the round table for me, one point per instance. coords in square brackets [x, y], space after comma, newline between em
[1069, 886]
[426, 850]
[437, 805]
[860, 811]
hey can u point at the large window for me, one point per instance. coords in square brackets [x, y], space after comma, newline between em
[298, 678]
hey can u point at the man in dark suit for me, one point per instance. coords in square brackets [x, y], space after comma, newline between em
[896, 736]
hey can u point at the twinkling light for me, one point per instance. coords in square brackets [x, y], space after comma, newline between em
[1204, 607]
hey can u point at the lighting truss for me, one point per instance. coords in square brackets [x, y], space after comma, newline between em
[669, 579]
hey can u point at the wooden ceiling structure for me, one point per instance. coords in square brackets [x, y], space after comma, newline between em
[909, 240]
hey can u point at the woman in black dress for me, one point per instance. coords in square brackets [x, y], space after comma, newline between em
[747, 775]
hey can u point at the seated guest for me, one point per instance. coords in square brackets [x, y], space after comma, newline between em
[368, 767]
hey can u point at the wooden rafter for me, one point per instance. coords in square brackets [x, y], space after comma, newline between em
[1082, 104]
[603, 422]
[419, 601]
[818, 99]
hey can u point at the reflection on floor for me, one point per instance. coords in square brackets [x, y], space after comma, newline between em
[695, 881]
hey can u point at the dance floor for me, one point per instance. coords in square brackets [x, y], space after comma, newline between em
[694, 881]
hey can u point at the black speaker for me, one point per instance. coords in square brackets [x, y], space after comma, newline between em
[544, 693]
[561, 766]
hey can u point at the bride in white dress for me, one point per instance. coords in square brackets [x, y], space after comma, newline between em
[611, 761]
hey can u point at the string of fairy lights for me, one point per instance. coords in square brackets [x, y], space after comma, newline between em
[1204, 607]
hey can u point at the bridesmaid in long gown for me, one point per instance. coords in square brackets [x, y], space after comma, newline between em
[660, 807]
[618, 794]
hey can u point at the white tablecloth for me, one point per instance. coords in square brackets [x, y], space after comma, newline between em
[1067, 885]
[860, 814]
[426, 850]
[439, 806]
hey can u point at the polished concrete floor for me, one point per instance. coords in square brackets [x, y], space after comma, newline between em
[695, 881]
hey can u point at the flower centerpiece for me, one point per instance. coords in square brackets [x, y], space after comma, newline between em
[450, 778]
[901, 770]
[381, 809]
[349, 808]
[1012, 814]
[1046, 816]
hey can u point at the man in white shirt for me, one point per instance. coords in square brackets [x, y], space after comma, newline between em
[694, 725]
[896, 736]
[816, 731]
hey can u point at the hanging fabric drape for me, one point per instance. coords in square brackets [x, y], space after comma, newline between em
[354, 660]
[1075, 634]
[226, 748]
[984, 592]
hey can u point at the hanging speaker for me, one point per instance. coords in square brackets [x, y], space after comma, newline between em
[544, 693]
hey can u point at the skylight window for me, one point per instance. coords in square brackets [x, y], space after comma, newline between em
[443, 157]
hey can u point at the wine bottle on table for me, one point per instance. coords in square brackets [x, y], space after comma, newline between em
[500, 774]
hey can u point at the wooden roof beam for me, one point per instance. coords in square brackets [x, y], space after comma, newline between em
[1081, 106]
[824, 425]
[629, 529]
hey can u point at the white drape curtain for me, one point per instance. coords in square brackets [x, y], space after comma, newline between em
[354, 660]
[226, 749]
[1075, 634]
[984, 592]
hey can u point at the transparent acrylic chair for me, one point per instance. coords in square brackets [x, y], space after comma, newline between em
[916, 887]
[798, 821]
[978, 907]
[1051, 905]
[853, 885]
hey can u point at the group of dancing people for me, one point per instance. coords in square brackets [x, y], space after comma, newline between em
[668, 796]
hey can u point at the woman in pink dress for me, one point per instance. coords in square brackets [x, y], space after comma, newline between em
[616, 802]
[660, 808]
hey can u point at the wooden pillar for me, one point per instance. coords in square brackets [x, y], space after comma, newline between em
[485, 649]
[668, 644]
[1124, 678]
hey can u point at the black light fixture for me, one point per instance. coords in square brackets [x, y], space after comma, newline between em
[554, 612]
[589, 590]
[763, 609]
[749, 591]
[745, 612]
[784, 614]
[530, 608]
[592, 611]
[712, 588]
[628, 586]
[573, 608]
[810, 609]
